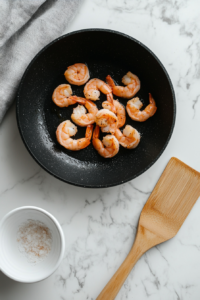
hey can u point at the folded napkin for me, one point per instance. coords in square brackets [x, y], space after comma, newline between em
[25, 28]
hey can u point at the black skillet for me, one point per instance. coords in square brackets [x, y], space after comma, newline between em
[105, 52]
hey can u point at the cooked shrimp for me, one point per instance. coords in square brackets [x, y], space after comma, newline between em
[133, 108]
[79, 116]
[93, 87]
[130, 137]
[107, 120]
[109, 147]
[111, 101]
[62, 95]
[67, 129]
[120, 111]
[132, 83]
[77, 74]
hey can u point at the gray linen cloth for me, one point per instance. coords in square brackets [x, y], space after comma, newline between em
[26, 26]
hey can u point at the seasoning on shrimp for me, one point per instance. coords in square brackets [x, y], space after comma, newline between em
[67, 129]
[107, 120]
[133, 109]
[109, 147]
[93, 88]
[130, 137]
[79, 116]
[132, 83]
[119, 110]
[77, 74]
[62, 96]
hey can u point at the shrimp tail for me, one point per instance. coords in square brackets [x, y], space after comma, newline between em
[78, 99]
[110, 99]
[88, 133]
[151, 100]
[110, 81]
[96, 132]
[84, 142]
[95, 139]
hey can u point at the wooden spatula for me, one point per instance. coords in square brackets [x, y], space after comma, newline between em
[161, 218]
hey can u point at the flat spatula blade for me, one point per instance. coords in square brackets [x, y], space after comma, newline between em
[172, 199]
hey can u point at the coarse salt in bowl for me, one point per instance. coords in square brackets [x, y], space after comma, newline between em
[32, 244]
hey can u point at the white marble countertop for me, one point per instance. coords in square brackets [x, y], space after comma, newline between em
[100, 224]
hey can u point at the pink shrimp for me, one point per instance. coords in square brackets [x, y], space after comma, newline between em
[109, 147]
[133, 109]
[62, 96]
[93, 87]
[107, 120]
[67, 129]
[119, 111]
[77, 74]
[130, 137]
[132, 83]
[79, 115]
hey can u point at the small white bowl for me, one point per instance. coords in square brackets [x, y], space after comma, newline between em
[16, 265]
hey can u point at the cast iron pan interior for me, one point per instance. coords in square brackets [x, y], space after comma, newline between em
[105, 52]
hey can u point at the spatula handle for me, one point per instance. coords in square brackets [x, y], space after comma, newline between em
[144, 240]
[114, 285]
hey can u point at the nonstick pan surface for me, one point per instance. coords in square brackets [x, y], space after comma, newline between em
[105, 52]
